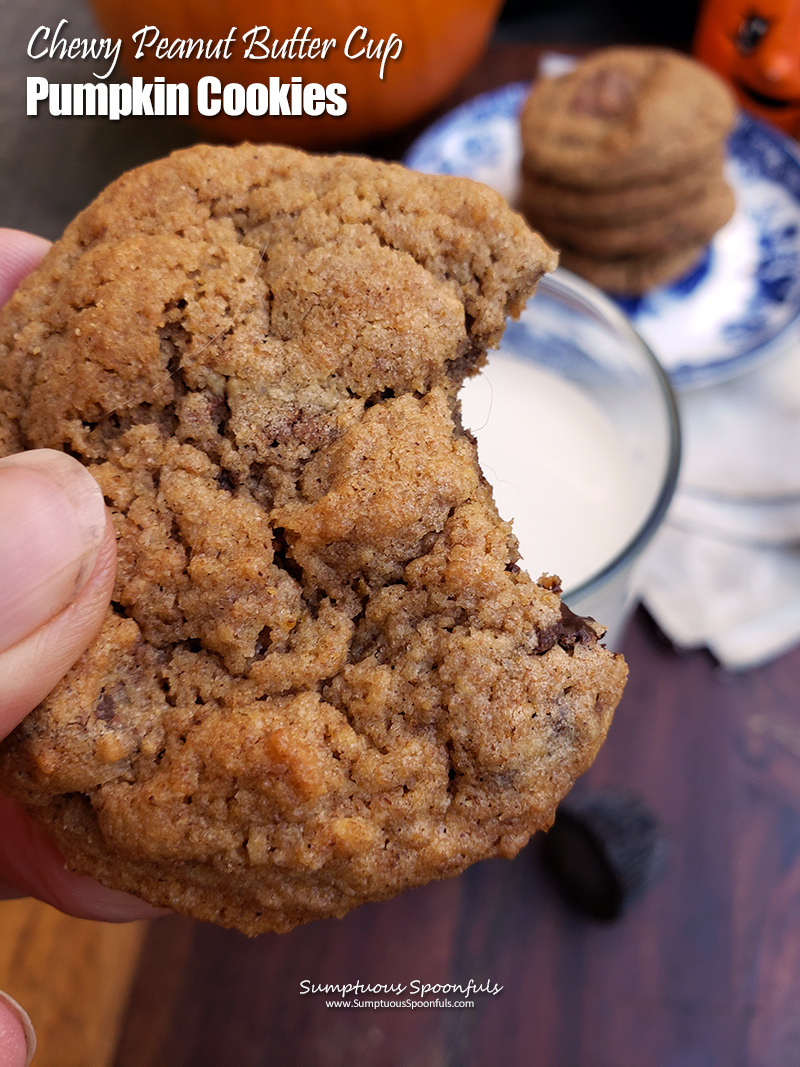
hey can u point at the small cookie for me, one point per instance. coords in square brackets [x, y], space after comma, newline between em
[627, 204]
[690, 223]
[625, 115]
[323, 677]
[632, 275]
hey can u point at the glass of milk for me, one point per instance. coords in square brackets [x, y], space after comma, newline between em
[578, 433]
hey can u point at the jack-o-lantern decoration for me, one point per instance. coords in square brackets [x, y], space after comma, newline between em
[755, 45]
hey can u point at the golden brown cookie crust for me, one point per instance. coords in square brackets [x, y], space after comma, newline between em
[322, 678]
[624, 114]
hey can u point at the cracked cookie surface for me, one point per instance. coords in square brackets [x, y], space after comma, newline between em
[322, 678]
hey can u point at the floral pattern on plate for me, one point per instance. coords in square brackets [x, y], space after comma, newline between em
[730, 308]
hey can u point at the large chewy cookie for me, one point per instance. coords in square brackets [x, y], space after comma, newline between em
[323, 677]
[625, 114]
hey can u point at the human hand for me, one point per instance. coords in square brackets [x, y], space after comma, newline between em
[57, 567]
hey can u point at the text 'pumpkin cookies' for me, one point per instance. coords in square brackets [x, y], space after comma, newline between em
[323, 678]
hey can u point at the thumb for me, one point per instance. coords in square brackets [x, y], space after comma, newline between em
[17, 1037]
[57, 561]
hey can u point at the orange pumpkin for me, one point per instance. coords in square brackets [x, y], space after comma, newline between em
[755, 44]
[441, 40]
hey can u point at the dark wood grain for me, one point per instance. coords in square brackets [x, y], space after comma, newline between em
[704, 970]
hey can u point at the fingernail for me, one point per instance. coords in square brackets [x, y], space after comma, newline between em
[52, 523]
[27, 1025]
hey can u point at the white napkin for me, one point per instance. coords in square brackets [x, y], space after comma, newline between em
[724, 571]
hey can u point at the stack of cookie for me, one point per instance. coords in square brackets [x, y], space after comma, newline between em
[623, 165]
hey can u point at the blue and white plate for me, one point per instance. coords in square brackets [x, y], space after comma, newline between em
[730, 309]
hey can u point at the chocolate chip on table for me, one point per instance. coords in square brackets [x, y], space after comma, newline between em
[605, 848]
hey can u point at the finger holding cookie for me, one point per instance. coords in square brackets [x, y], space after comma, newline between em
[57, 566]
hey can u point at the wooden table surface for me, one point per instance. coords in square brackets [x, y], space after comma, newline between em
[703, 971]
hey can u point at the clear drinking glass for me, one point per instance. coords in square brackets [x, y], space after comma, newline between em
[578, 433]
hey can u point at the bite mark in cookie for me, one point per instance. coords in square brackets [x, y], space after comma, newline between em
[323, 677]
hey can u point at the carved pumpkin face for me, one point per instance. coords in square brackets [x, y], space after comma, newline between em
[755, 45]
